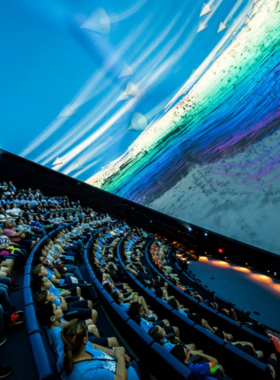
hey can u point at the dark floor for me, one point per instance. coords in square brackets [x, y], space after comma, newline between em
[16, 352]
[248, 289]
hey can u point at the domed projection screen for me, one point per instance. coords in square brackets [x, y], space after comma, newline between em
[173, 105]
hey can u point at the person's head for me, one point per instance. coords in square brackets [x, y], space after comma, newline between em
[43, 297]
[19, 221]
[41, 283]
[135, 312]
[173, 303]
[159, 293]
[221, 334]
[181, 353]
[109, 287]
[8, 224]
[74, 336]
[39, 270]
[151, 283]
[196, 318]
[157, 333]
[117, 297]
[49, 313]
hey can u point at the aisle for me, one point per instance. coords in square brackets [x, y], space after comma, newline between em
[248, 289]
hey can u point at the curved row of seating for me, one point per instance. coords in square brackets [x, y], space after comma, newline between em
[161, 362]
[237, 363]
[44, 357]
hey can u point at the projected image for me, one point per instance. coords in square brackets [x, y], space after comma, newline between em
[174, 105]
[214, 158]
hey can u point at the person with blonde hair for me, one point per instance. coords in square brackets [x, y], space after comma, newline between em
[89, 361]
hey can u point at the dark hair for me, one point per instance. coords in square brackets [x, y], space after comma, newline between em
[172, 302]
[195, 318]
[36, 270]
[159, 293]
[179, 353]
[115, 295]
[154, 333]
[37, 283]
[41, 298]
[219, 333]
[133, 312]
[248, 349]
[45, 313]
[72, 336]
[107, 287]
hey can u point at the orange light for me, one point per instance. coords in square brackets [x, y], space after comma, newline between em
[241, 269]
[261, 277]
[220, 250]
[203, 258]
[222, 263]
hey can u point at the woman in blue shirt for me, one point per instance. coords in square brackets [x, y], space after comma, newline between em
[159, 335]
[86, 363]
[136, 313]
[119, 299]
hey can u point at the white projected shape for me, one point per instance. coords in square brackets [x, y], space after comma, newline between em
[126, 71]
[137, 122]
[201, 27]
[205, 10]
[247, 29]
[57, 161]
[248, 19]
[255, 10]
[122, 97]
[67, 112]
[277, 9]
[98, 22]
[131, 90]
[78, 165]
[222, 27]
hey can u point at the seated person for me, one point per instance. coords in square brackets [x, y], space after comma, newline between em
[215, 330]
[18, 237]
[136, 313]
[209, 370]
[78, 355]
[118, 297]
[78, 363]
[56, 279]
[175, 304]
[159, 335]
[51, 316]
[83, 307]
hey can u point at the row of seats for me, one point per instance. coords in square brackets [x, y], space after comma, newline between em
[161, 360]
[227, 354]
[44, 357]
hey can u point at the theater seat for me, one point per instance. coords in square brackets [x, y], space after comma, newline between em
[167, 366]
[27, 296]
[106, 297]
[119, 313]
[26, 281]
[31, 319]
[44, 368]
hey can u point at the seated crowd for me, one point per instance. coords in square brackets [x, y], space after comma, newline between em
[59, 230]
